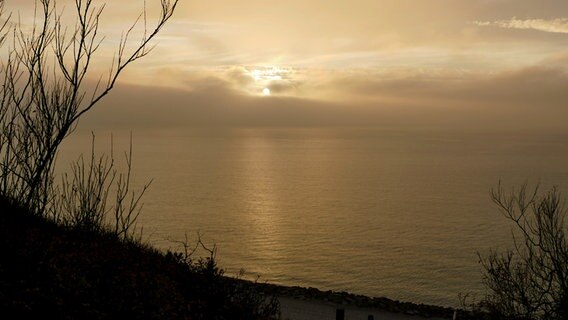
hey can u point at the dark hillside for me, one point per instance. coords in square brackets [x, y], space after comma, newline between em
[48, 271]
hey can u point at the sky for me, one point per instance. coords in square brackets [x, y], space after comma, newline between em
[432, 63]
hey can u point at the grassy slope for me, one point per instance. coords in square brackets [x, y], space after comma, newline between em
[49, 271]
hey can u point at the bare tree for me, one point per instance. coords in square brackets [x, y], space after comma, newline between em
[84, 198]
[529, 281]
[44, 92]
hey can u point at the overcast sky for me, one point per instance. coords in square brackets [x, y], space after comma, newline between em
[301, 62]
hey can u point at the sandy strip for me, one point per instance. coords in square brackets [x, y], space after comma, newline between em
[295, 309]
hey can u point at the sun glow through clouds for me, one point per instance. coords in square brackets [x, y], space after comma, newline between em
[265, 78]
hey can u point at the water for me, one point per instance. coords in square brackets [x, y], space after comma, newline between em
[374, 212]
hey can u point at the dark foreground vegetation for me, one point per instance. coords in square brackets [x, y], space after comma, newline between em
[530, 280]
[53, 272]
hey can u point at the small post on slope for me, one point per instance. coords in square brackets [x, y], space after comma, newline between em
[340, 314]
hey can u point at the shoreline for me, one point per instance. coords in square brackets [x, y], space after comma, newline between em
[346, 299]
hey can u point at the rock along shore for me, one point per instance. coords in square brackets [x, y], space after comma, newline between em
[361, 301]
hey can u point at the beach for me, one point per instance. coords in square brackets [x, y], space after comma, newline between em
[295, 309]
[298, 303]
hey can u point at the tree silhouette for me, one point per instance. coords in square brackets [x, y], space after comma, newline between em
[44, 88]
[529, 281]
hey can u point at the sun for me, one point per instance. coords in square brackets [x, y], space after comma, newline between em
[262, 78]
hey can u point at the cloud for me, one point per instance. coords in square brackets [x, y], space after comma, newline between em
[559, 25]
[531, 98]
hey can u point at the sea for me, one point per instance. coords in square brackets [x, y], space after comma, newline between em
[403, 214]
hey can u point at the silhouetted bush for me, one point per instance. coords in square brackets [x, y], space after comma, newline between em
[529, 281]
[49, 271]
[43, 95]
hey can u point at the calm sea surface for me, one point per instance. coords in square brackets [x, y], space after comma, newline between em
[374, 212]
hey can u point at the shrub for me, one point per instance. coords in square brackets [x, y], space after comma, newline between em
[529, 281]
